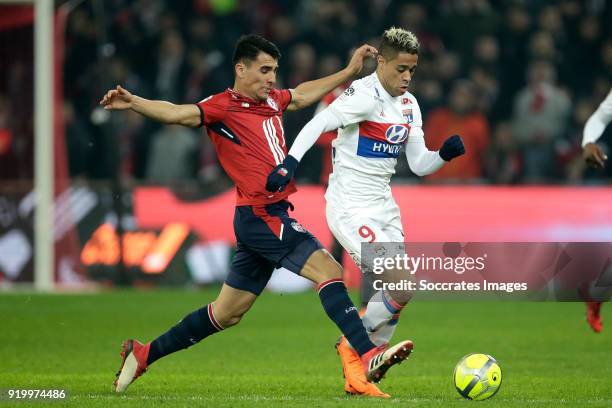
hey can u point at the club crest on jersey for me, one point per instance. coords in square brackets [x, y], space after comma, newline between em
[297, 226]
[407, 113]
[396, 134]
[272, 104]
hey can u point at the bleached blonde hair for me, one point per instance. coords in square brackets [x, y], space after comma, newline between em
[395, 40]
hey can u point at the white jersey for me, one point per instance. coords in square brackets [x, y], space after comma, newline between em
[375, 128]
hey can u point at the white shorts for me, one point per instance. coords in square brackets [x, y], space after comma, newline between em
[353, 226]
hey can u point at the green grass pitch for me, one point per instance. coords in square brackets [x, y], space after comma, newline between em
[282, 353]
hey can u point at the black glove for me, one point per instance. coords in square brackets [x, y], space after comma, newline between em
[282, 174]
[452, 147]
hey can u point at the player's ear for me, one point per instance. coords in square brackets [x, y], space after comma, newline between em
[240, 69]
[381, 60]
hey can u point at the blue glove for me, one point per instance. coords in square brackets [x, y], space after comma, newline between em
[452, 147]
[282, 174]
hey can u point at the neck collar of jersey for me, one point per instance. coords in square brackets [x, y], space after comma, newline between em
[240, 97]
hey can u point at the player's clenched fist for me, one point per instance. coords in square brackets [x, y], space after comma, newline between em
[452, 147]
[117, 98]
[282, 174]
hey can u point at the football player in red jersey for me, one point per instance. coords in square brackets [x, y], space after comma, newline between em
[245, 125]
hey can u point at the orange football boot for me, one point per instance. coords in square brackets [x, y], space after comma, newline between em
[354, 375]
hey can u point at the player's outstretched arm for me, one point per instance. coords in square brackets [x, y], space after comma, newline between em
[307, 93]
[160, 111]
[423, 161]
[281, 175]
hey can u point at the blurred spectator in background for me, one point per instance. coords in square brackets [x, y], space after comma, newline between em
[78, 142]
[134, 139]
[605, 69]
[503, 160]
[6, 135]
[459, 117]
[541, 114]
[173, 155]
[465, 20]
[302, 63]
[180, 51]
[485, 66]
[513, 37]
[171, 67]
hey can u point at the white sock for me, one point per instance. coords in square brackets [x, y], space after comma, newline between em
[384, 334]
[380, 318]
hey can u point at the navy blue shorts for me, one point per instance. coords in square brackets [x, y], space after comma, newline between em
[267, 238]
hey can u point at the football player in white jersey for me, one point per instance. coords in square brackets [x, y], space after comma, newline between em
[594, 155]
[377, 118]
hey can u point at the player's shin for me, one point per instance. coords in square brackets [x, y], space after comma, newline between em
[192, 329]
[381, 316]
[340, 309]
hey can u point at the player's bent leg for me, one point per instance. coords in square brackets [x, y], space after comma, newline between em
[340, 308]
[224, 312]
[381, 318]
[322, 269]
[384, 308]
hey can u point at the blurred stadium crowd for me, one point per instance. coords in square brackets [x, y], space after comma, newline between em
[516, 79]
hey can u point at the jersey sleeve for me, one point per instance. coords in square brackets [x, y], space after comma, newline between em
[606, 105]
[416, 126]
[212, 110]
[283, 98]
[421, 160]
[354, 105]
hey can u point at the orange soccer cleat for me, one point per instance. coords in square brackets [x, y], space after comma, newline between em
[355, 380]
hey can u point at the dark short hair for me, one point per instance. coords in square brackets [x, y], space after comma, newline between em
[396, 40]
[249, 46]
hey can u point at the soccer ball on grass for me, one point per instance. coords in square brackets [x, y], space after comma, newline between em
[477, 376]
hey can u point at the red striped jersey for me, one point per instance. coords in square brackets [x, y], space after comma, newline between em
[249, 138]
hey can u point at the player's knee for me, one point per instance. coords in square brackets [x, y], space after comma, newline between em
[329, 269]
[230, 321]
[227, 318]
[321, 267]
